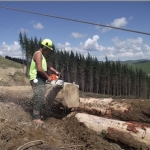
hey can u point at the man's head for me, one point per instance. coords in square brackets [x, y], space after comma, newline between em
[47, 45]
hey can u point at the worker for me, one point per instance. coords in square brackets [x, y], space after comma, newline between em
[38, 76]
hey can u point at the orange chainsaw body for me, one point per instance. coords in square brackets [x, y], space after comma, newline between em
[54, 77]
[55, 80]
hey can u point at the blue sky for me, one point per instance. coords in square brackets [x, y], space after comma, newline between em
[83, 38]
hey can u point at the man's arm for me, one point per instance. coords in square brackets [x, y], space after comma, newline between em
[54, 70]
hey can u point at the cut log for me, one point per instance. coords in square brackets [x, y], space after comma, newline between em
[68, 95]
[126, 110]
[102, 106]
[135, 135]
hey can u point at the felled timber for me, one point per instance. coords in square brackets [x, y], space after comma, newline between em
[126, 110]
[102, 106]
[68, 95]
[136, 135]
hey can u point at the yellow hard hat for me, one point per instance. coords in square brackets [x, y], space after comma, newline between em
[48, 43]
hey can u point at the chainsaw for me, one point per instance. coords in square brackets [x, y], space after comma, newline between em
[55, 80]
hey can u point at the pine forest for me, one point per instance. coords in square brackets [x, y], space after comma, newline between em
[111, 78]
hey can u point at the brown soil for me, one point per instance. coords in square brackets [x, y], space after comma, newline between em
[13, 76]
[61, 130]
[17, 129]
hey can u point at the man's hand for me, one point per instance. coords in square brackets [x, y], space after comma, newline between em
[58, 73]
[49, 79]
[55, 71]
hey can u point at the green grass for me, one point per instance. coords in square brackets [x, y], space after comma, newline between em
[5, 63]
[144, 66]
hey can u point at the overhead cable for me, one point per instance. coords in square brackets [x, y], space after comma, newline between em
[8, 28]
[81, 21]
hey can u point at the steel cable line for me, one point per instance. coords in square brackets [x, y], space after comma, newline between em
[8, 28]
[47, 15]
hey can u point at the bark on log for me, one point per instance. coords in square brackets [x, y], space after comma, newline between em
[126, 110]
[68, 95]
[135, 135]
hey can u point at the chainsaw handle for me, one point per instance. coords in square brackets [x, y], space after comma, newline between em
[47, 81]
[59, 76]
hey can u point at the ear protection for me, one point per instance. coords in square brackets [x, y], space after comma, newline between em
[44, 47]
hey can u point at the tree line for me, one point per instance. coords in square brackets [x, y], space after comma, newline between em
[107, 78]
[18, 60]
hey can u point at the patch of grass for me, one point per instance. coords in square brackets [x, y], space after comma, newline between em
[144, 66]
[20, 78]
[5, 63]
[20, 74]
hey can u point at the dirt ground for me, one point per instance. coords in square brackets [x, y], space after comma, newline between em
[61, 130]
[17, 129]
[13, 76]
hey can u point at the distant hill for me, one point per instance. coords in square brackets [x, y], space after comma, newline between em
[136, 61]
[143, 64]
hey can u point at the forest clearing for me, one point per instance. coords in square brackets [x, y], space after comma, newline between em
[63, 128]
[72, 80]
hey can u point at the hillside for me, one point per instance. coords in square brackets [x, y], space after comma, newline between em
[143, 64]
[5, 63]
[12, 73]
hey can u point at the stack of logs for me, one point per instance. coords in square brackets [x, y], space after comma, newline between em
[122, 121]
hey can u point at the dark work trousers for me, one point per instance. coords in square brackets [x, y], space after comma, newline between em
[39, 90]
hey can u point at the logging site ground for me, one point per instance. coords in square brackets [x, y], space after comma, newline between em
[61, 130]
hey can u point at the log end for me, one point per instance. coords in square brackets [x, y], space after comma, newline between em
[71, 95]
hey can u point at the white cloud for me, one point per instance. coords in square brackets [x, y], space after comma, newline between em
[131, 17]
[146, 47]
[120, 50]
[97, 27]
[12, 50]
[132, 48]
[65, 46]
[89, 46]
[121, 22]
[106, 29]
[92, 44]
[38, 26]
[22, 30]
[77, 35]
